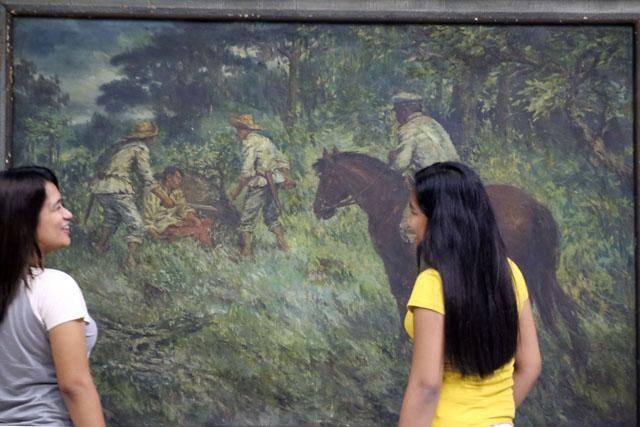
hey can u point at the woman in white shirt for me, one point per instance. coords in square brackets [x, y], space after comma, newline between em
[46, 333]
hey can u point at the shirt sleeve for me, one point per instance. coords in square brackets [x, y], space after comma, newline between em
[403, 154]
[427, 292]
[279, 161]
[520, 286]
[144, 167]
[182, 206]
[59, 299]
[152, 211]
[248, 165]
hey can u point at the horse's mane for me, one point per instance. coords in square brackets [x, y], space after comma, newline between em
[376, 166]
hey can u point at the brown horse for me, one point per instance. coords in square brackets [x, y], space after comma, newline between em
[527, 227]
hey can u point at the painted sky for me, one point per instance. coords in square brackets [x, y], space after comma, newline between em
[78, 51]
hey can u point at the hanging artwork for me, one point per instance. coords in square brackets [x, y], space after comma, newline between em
[238, 190]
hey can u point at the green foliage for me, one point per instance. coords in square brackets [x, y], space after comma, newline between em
[596, 269]
[308, 336]
[40, 125]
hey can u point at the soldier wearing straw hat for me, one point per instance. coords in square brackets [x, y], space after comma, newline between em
[264, 171]
[114, 189]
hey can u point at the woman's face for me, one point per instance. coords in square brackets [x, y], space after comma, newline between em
[417, 220]
[53, 230]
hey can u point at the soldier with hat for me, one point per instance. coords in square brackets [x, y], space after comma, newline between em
[421, 141]
[264, 171]
[113, 187]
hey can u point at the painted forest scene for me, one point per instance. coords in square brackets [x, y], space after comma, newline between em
[226, 298]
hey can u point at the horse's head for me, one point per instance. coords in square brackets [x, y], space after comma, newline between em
[332, 191]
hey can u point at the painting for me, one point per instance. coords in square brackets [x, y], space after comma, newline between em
[237, 189]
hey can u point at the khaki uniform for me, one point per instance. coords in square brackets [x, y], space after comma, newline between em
[422, 141]
[157, 218]
[114, 188]
[260, 157]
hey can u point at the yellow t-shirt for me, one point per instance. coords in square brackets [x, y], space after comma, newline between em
[468, 401]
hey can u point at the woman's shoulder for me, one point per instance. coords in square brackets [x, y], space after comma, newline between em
[515, 270]
[50, 280]
[47, 274]
[427, 291]
[428, 279]
[429, 274]
[55, 297]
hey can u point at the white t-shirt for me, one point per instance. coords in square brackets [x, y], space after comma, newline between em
[56, 298]
[29, 392]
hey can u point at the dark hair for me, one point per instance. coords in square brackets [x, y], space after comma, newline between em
[408, 107]
[169, 171]
[463, 243]
[22, 195]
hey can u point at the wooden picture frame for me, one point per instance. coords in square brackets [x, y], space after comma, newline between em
[493, 13]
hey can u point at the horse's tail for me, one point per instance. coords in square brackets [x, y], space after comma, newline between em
[546, 294]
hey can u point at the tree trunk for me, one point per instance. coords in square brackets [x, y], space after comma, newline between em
[52, 144]
[31, 151]
[57, 144]
[502, 124]
[595, 141]
[464, 114]
[293, 97]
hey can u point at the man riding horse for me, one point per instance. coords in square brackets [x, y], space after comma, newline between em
[421, 142]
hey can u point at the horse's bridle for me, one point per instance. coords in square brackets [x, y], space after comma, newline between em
[351, 199]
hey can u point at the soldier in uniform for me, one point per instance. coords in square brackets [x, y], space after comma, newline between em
[421, 141]
[264, 171]
[114, 189]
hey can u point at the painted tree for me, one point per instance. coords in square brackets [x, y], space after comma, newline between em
[580, 79]
[40, 118]
[188, 71]
[178, 75]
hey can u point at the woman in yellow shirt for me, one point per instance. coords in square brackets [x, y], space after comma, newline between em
[475, 355]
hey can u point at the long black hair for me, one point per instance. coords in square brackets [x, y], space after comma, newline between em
[22, 195]
[463, 243]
